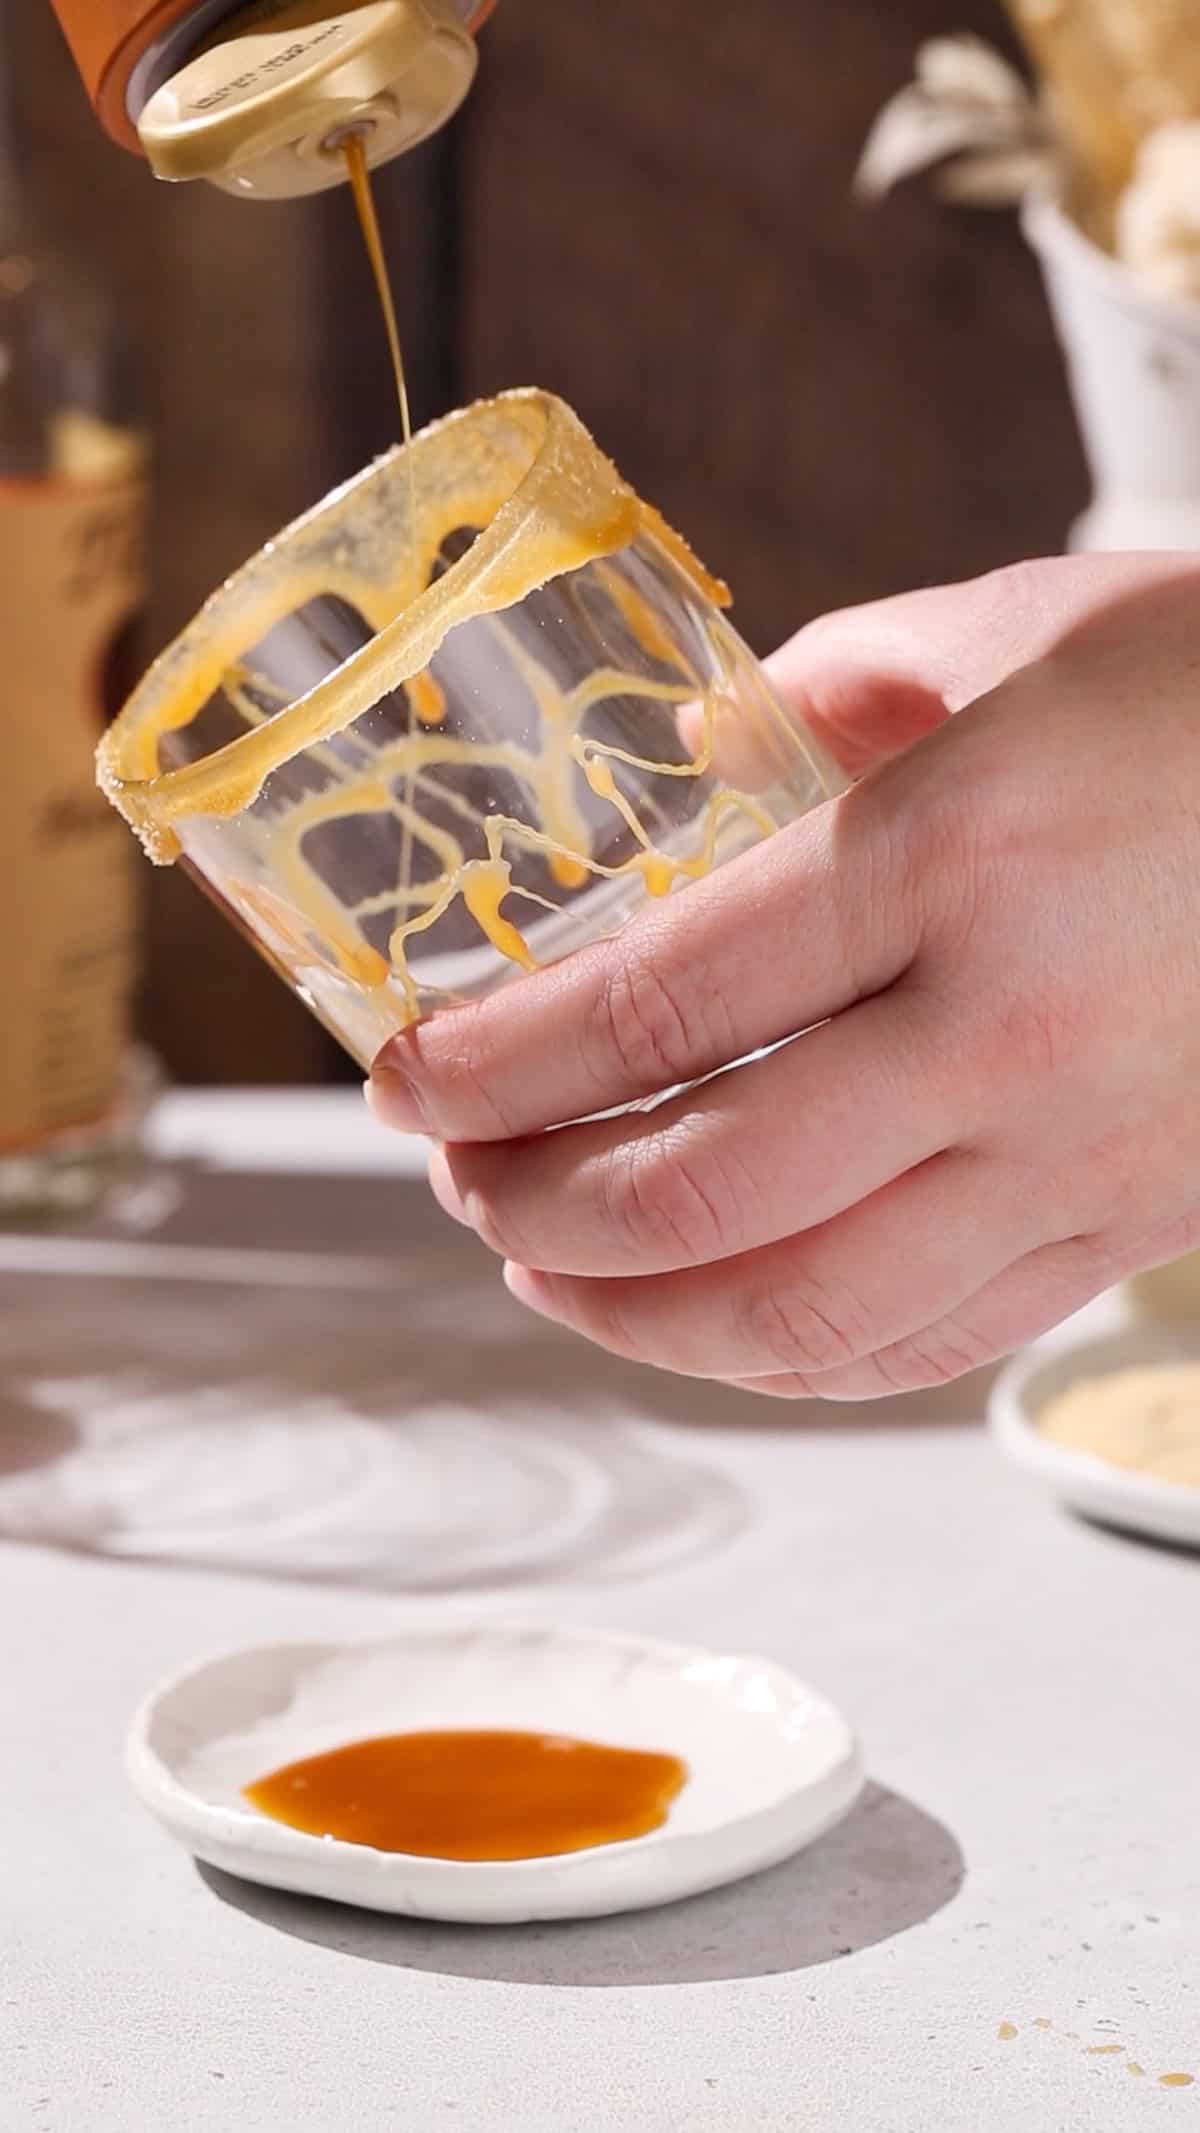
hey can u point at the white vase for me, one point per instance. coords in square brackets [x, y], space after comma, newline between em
[1134, 367]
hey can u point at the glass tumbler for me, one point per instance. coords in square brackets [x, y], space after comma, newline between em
[467, 715]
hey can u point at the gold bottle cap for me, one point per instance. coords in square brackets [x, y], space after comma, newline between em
[261, 114]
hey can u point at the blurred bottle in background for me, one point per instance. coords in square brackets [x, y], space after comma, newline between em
[73, 468]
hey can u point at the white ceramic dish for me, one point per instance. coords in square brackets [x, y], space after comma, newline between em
[1139, 1503]
[772, 1765]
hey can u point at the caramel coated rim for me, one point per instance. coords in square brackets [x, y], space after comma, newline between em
[567, 508]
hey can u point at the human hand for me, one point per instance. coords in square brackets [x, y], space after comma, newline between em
[993, 945]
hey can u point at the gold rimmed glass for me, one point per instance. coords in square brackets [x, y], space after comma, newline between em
[467, 715]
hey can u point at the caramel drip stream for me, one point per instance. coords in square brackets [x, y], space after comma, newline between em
[354, 150]
[355, 153]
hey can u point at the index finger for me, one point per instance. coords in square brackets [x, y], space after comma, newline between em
[781, 938]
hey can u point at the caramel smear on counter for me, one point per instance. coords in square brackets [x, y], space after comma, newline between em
[1108, 2050]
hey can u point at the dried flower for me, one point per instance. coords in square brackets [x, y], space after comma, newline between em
[1113, 126]
[1112, 72]
[1158, 219]
[969, 109]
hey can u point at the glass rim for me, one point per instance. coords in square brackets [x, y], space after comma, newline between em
[567, 506]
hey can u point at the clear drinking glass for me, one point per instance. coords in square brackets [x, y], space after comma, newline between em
[467, 715]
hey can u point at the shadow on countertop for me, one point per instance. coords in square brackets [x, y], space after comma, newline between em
[397, 1217]
[889, 1866]
[29, 1436]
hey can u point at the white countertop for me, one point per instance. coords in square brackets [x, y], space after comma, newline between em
[1026, 1688]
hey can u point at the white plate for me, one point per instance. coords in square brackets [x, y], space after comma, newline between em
[772, 1765]
[1140, 1503]
[396, 1422]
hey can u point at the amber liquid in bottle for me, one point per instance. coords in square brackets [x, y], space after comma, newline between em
[72, 504]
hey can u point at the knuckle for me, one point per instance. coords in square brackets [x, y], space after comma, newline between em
[948, 869]
[882, 831]
[1109, 1193]
[492, 1226]
[930, 1359]
[481, 1186]
[606, 1321]
[674, 1200]
[640, 1024]
[1042, 1030]
[801, 1327]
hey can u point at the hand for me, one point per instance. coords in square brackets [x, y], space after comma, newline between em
[998, 934]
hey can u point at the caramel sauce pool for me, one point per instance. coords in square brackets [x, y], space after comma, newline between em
[474, 1795]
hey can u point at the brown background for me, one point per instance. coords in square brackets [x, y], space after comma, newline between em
[645, 206]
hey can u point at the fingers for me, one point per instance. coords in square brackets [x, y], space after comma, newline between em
[750, 746]
[814, 919]
[802, 926]
[782, 1144]
[1037, 1292]
[819, 1304]
[871, 680]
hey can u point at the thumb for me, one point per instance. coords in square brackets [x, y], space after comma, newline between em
[869, 681]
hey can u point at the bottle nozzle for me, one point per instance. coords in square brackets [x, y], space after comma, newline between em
[262, 113]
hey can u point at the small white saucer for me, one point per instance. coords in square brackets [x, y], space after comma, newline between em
[1139, 1503]
[771, 1765]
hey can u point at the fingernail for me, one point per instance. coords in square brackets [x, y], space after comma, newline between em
[393, 1097]
[530, 1289]
[444, 1189]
